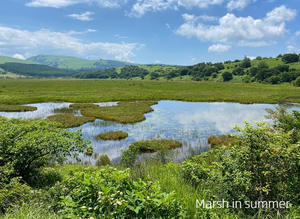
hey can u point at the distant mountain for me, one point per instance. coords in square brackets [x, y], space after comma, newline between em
[74, 63]
[35, 70]
[5, 59]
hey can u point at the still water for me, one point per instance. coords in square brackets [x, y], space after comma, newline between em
[189, 122]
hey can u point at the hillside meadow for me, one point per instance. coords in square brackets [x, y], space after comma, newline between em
[26, 91]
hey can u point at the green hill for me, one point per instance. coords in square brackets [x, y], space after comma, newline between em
[74, 63]
[5, 59]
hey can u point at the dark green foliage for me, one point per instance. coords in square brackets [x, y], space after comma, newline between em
[35, 70]
[290, 58]
[297, 82]
[132, 71]
[113, 194]
[246, 63]
[238, 71]
[275, 79]
[101, 74]
[227, 76]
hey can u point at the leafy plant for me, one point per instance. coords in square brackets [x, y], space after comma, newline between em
[113, 194]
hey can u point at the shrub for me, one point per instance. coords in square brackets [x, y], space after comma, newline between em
[227, 76]
[103, 160]
[297, 82]
[290, 58]
[29, 145]
[113, 194]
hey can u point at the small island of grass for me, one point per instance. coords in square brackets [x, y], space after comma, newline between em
[68, 120]
[16, 108]
[154, 145]
[112, 135]
[123, 112]
[222, 140]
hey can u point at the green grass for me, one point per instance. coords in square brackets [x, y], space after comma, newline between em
[16, 108]
[112, 135]
[67, 120]
[222, 140]
[88, 91]
[64, 110]
[154, 145]
[4, 59]
[124, 112]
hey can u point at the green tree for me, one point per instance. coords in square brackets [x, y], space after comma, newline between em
[227, 76]
[290, 58]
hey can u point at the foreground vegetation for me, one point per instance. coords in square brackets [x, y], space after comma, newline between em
[261, 165]
[83, 91]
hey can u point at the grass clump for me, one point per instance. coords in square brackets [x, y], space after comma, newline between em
[112, 135]
[222, 140]
[64, 110]
[154, 145]
[67, 120]
[124, 112]
[16, 108]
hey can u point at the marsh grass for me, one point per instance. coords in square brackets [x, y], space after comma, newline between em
[112, 135]
[64, 110]
[124, 112]
[16, 108]
[154, 145]
[93, 91]
[67, 120]
[222, 140]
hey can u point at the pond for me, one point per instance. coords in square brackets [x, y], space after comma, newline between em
[189, 122]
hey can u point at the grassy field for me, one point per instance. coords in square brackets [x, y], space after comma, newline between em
[73, 90]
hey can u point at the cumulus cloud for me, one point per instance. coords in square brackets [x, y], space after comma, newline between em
[18, 56]
[48, 42]
[85, 16]
[243, 31]
[143, 6]
[218, 48]
[238, 4]
[65, 3]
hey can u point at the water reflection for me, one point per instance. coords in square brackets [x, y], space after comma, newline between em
[189, 122]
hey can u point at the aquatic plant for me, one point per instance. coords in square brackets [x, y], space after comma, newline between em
[154, 145]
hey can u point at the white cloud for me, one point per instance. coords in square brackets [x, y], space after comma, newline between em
[65, 3]
[243, 31]
[292, 49]
[85, 16]
[238, 4]
[48, 42]
[219, 48]
[18, 56]
[297, 33]
[143, 6]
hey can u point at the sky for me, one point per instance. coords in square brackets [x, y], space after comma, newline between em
[179, 32]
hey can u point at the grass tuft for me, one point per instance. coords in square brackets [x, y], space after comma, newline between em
[112, 135]
[154, 145]
[222, 140]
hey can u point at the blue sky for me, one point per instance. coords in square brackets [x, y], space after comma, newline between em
[179, 32]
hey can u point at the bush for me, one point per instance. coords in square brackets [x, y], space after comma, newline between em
[113, 194]
[290, 58]
[227, 76]
[297, 82]
[103, 160]
[27, 146]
